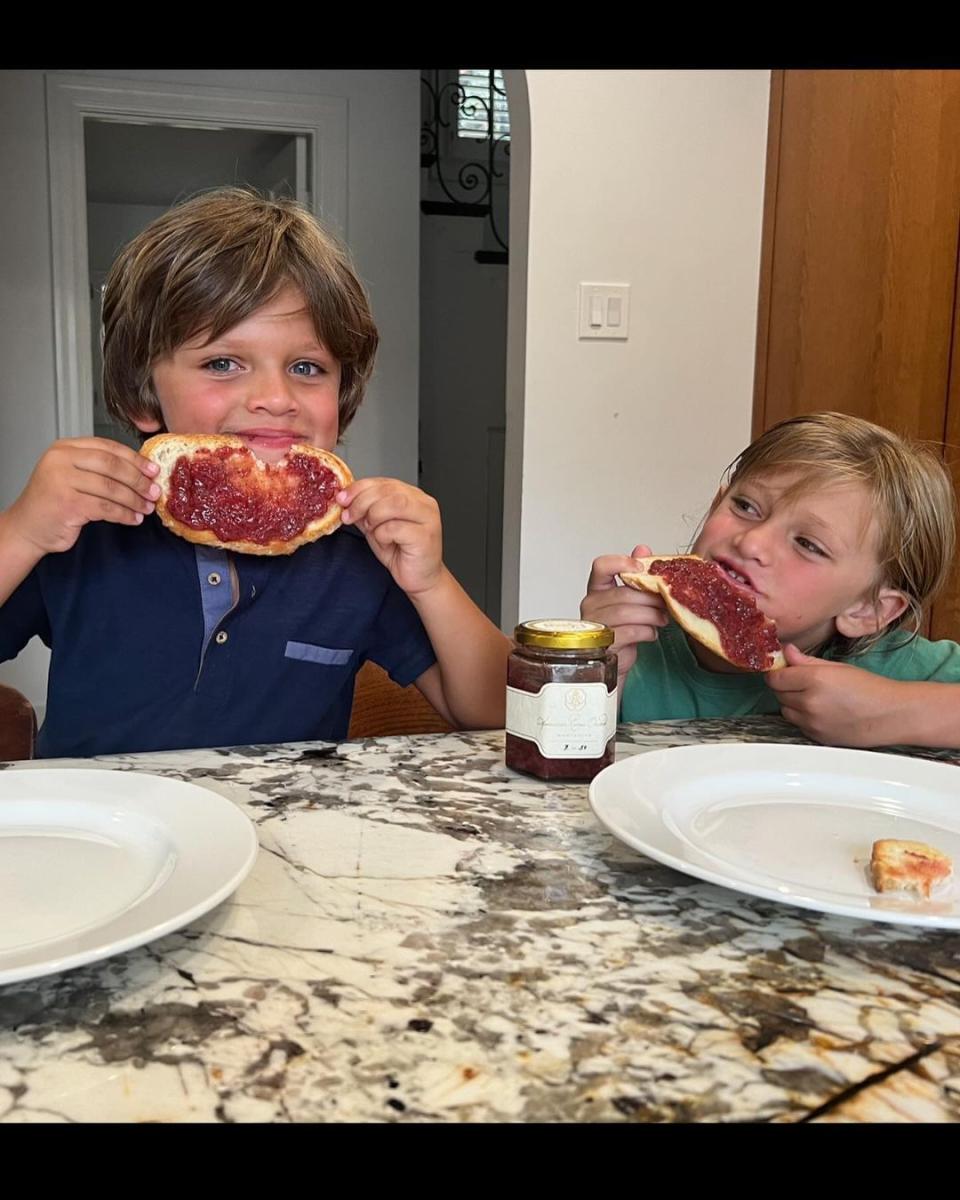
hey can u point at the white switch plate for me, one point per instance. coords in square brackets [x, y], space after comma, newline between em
[595, 302]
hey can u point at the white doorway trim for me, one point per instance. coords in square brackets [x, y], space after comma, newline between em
[518, 103]
[70, 99]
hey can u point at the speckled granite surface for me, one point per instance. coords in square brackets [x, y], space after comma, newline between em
[427, 936]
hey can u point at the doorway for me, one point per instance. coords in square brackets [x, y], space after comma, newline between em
[135, 172]
[91, 119]
[464, 231]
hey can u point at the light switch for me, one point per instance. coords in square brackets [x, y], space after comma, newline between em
[604, 310]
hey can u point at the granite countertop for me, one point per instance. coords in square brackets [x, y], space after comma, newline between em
[427, 936]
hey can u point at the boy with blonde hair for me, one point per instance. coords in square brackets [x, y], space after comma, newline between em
[843, 533]
[231, 314]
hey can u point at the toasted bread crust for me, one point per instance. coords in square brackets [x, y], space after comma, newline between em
[699, 628]
[897, 866]
[165, 449]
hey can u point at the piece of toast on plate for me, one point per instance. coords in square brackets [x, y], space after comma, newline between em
[901, 866]
[708, 606]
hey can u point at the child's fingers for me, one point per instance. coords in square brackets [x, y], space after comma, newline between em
[793, 715]
[795, 657]
[378, 500]
[626, 657]
[776, 682]
[107, 494]
[791, 679]
[146, 466]
[358, 486]
[629, 635]
[405, 534]
[392, 507]
[617, 612]
[360, 494]
[119, 475]
[606, 568]
[808, 724]
[89, 507]
[111, 451]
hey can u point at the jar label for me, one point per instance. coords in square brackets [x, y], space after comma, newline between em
[566, 720]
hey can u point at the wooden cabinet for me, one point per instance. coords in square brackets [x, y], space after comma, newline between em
[859, 269]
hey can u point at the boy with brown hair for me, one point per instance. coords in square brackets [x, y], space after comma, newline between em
[231, 314]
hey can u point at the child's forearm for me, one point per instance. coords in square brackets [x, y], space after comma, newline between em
[927, 714]
[471, 654]
[17, 559]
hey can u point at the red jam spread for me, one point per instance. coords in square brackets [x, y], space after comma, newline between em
[748, 638]
[231, 493]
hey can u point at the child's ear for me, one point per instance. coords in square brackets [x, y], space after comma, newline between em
[872, 614]
[148, 401]
[147, 424]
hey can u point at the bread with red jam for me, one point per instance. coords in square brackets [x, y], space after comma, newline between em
[216, 492]
[727, 621]
[901, 866]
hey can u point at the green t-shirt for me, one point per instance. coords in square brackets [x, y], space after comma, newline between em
[667, 683]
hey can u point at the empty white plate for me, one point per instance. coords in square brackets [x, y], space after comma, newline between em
[95, 862]
[789, 823]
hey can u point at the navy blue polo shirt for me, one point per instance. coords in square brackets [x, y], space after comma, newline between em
[157, 644]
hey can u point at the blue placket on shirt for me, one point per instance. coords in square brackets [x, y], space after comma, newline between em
[219, 596]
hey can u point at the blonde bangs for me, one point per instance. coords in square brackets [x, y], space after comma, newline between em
[911, 497]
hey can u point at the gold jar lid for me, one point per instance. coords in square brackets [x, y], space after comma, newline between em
[555, 634]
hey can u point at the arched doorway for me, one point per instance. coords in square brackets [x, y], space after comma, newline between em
[467, 258]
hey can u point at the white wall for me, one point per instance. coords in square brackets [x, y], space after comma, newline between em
[27, 397]
[652, 178]
[383, 190]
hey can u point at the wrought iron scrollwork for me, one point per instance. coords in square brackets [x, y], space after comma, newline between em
[469, 186]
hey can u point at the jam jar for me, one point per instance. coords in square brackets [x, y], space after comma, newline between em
[561, 699]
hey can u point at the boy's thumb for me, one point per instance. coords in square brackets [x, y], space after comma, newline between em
[797, 658]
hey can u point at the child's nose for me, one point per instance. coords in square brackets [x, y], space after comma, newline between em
[756, 542]
[271, 392]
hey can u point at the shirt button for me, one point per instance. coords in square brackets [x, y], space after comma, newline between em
[221, 637]
[213, 578]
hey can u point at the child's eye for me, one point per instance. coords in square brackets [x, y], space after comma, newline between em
[811, 547]
[307, 368]
[742, 504]
[219, 365]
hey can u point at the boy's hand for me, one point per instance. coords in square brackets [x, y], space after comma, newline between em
[79, 480]
[834, 702]
[402, 527]
[633, 616]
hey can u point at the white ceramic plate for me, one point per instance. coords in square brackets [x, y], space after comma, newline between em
[789, 823]
[94, 862]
